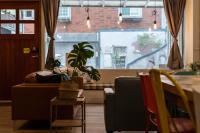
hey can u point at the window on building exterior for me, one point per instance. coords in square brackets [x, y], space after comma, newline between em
[126, 45]
[131, 12]
[64, 13]
[26, 14]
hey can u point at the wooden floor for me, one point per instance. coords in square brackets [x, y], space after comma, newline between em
[94, 122]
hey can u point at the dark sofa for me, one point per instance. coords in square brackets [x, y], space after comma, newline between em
[124, 107]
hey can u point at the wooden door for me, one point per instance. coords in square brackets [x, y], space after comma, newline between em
[19, 42]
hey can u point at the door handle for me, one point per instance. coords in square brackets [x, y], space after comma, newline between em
[35, 56]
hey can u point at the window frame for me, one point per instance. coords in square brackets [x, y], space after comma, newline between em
[62, 16]
[17, 21]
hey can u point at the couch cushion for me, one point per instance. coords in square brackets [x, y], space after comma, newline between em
[53, 78]
[30, 78]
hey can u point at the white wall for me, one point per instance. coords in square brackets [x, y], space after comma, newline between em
[192, 31]
[108, 39]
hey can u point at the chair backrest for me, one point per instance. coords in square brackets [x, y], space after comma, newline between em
[163, 115]
[148, 93]
[129, 107]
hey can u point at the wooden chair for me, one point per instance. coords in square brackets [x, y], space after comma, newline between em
[166, 124]
[149, 101]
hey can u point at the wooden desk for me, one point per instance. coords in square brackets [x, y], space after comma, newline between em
[186, 82]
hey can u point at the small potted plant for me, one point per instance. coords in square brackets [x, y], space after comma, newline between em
[195, 66]
[77, 58]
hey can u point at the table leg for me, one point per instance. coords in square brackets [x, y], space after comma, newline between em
[84, 108]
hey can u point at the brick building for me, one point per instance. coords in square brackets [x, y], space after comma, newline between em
[106, 18]
[108, 37]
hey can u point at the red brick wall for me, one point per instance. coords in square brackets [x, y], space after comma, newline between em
[105, 18]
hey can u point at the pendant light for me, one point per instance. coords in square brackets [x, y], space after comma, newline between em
[155, 14]
[88, 17]
[120, 13]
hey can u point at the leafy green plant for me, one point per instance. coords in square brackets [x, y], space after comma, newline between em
[195, 66]
[145, 43]
[77, 58]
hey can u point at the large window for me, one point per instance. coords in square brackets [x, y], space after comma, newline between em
[129, 44]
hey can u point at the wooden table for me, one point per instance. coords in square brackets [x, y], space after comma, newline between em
[186, 82]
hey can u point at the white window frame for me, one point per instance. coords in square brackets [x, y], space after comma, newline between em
[63, 16]
[131, 15]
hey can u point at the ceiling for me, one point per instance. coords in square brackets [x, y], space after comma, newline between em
[113, 3]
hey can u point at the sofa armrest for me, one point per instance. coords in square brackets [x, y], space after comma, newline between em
[109, 108]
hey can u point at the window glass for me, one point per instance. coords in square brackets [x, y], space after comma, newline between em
[132, 12]
[125, 11]
[8, 14]
[8, 28]
[64, 13]
[27, 14]
[131, 44]
[26, 28]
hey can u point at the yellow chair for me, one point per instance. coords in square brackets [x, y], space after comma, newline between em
[167, 124]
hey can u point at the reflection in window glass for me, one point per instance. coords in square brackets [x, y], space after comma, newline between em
[26, 14]
[8, 28]
[26, 28]
[132, 44]
[8, 14]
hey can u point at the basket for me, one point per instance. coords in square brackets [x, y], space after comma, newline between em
[68, 90]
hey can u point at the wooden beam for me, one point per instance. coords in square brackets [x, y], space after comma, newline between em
[113, 3]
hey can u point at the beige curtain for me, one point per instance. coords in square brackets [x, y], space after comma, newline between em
[50, 9]
[174, 10]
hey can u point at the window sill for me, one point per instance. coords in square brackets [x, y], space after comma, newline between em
[133, 19]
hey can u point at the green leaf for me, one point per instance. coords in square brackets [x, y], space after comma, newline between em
[78, 57]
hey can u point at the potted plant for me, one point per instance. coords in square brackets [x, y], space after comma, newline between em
[77, 58]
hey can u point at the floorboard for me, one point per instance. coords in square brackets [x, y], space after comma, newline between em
[94, 122]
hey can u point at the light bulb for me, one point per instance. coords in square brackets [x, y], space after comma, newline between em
[154, 25]
[120, 18]
[88, 22]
